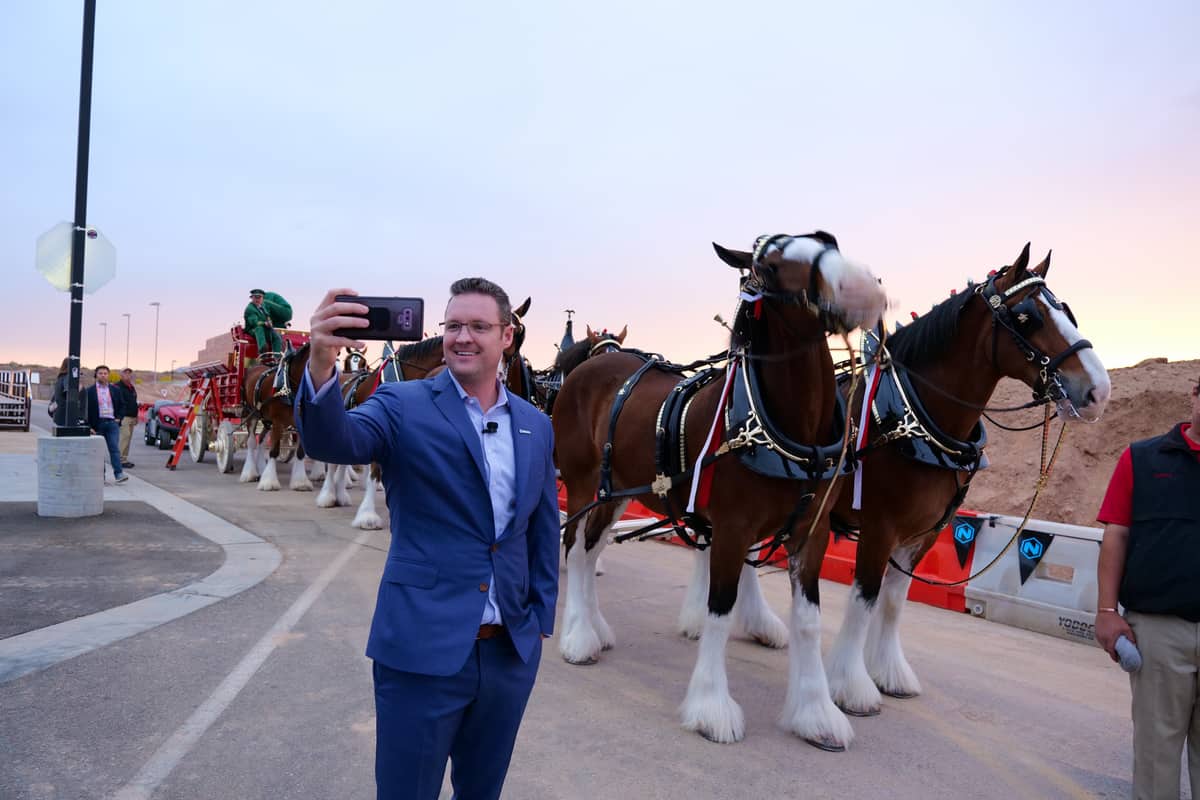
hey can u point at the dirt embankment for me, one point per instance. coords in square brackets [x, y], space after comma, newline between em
[1147, 399]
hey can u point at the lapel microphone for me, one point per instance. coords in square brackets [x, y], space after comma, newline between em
[491, 427]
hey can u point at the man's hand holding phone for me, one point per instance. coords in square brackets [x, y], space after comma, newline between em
[330, 318]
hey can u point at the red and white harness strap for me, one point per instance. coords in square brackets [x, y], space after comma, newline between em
[864, 422]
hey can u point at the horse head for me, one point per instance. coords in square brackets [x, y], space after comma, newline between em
[355, 360]
[1036, 340]
[518, 323]
[603, 341]
[810, 271]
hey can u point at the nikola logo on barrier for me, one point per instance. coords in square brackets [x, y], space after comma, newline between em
[964, 533]
[1031, 549]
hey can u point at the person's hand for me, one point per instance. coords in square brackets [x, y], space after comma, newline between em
[323, 345]
[1109, 627]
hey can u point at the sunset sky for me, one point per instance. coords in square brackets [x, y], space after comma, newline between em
[586, 155]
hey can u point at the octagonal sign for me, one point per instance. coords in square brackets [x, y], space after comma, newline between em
[53, 258]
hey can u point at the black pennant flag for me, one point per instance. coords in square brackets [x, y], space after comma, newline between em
[1031, 546]
[965, 530]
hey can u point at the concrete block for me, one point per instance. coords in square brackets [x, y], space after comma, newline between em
[70, 476]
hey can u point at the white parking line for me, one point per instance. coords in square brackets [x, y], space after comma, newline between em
[184, 739]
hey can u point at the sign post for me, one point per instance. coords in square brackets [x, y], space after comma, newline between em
[73, 426]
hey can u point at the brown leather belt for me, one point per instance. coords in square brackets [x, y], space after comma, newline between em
[489, 631]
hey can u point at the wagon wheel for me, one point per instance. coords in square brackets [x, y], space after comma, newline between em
[224, 446]
[198, 437]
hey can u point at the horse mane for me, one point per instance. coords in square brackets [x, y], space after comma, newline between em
[572, 357]
[929, 336]
[419, 350]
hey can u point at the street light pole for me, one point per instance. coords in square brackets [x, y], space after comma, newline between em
[75, 334]
[156, 304]
[104, 358]
[127, 319]
[172, 369]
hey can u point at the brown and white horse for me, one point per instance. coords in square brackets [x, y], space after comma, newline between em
[950, 360]
[798, 288]
[263, 400]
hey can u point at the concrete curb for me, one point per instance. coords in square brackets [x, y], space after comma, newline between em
[248, 560]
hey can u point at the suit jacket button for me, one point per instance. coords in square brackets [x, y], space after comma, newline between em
[483, 587]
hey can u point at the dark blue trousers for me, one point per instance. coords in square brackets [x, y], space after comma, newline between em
[110, 429]
[470, 718]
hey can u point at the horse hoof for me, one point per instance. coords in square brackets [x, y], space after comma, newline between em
[854, 712]
[585, 662]
[828, 744]
[899, 695]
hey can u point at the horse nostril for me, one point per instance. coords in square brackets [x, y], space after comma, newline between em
[1090, 398]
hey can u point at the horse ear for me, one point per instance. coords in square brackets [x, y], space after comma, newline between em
[590, 334]
[621, 335]
[523, 309]
[737, 259]
[1021, 265]
[1044, 267]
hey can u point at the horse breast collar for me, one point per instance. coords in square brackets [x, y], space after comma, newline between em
[900, 417]
[762, 448]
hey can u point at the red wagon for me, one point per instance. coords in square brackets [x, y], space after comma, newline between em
[215, 419]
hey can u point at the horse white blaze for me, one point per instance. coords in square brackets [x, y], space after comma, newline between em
[695, 602]
[884, 656]
[299, 482]
[1097, 375]
[709, 709]
[857, 294]
[850, 684]
[754, 615]
[579, 642]
[269, 482]
[808, 710]
[368, 518]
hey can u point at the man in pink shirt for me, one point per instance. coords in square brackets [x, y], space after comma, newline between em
[105, 408]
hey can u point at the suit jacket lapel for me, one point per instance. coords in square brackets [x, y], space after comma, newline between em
[522, 448]
[445, 397]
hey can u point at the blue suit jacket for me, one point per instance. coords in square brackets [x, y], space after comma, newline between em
[93, 404]
[444, 551]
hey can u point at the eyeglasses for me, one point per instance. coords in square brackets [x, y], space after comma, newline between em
[477, 327]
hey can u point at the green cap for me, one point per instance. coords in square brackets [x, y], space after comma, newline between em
[256, 291]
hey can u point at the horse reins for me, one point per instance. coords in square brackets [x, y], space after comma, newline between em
[1043, 477]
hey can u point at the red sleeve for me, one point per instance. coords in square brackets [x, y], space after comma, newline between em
[1117, 508]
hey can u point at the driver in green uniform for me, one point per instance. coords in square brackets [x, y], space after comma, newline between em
[266, 312]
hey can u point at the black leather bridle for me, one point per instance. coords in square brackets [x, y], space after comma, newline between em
[1023, 320]
[762, 275]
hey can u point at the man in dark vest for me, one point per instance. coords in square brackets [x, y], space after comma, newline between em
[262, 318]
[1150, 564]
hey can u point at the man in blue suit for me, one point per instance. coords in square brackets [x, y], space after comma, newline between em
[471, 578]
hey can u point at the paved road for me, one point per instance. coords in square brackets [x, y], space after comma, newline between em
[267, 694]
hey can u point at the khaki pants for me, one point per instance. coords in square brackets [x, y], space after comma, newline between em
[127, 426]
[1165, 711]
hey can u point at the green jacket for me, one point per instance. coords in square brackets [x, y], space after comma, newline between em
[256, 317]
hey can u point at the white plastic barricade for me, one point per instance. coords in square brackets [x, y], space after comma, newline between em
[1058, 564]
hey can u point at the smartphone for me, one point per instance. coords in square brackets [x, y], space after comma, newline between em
[397, 318]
